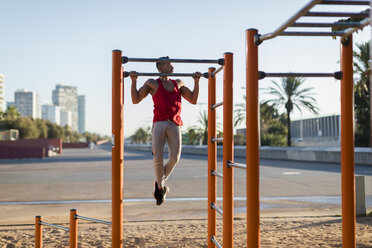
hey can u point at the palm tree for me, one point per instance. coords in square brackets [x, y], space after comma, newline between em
[362, 95]
[200, 132]
[203, 121]
[267, 112]
[290, 94]
[141, 135]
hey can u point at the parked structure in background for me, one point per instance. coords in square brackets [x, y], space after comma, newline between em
[81, 113]
[66, 98]
[11, 134]
[319, 131]
[66, 118]
[27, 103]
[51, 113]
[2, 94]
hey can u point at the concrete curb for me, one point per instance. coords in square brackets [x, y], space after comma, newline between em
[362, 156]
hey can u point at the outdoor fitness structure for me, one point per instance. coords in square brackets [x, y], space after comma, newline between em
[253, 40]
[253, 75]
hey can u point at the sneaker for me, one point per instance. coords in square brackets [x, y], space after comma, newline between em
[157, 191]
[163, 193]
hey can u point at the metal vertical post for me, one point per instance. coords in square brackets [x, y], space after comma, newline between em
[228, 148]
[370, 83]
[252, 141]
[212, 157]
[38, 232]
[117, 150]
[347, 144]
[73, 228]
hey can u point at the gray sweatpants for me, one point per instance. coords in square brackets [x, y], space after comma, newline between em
[165, 131]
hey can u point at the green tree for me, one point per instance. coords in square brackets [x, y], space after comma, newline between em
[272, 125]
[11, 113]
[42, 127]
[203, 128]
[291, 94]
[27, 128]
[362, 93]
[55, 131]
[141, 135]
[192, 136]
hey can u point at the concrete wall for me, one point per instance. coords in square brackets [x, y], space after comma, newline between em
[363, 156]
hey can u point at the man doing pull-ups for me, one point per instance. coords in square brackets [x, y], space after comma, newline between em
[166, 94]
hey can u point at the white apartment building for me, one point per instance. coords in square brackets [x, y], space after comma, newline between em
[51, 113]
[2, 93]
[81, 113]
[66, 118]
[67, 99]
[27, 103]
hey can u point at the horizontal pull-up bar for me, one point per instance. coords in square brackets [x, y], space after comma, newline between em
[326, 25]
[213, 139]
[217, 71]
[217, 174]
[215, 207]
[214, 240]
[302, 33]
[126, 74]
[363, 23]
[93, 220]
[338, 14]
[214, 106]
[237, 165]
[345, 2]
[288, 23]
[336, 75]
[206, 61]
[53, 225]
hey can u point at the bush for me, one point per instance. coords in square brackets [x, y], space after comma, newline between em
[270, 139]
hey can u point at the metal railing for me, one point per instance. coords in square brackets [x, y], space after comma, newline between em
[39, 223]
[93, 220]
[73, 230]
[54, 226]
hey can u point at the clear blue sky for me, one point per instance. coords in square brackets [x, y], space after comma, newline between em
[44, 43]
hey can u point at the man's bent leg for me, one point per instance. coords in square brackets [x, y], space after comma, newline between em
[158, 142]
[174, 138]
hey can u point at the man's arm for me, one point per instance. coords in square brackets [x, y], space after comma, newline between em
[138, 95]
[191, 96]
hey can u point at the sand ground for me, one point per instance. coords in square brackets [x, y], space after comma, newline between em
[302, 231]
[285, 222]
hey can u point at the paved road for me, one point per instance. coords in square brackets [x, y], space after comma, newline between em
[83, 174]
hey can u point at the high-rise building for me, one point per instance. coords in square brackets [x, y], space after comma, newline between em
[27, 103]
[51, 113]
[66, 118]
[81, 113]
[66, 98]
[2, 94]
[10, 104]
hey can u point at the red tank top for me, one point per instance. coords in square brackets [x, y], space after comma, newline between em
[167, 105]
